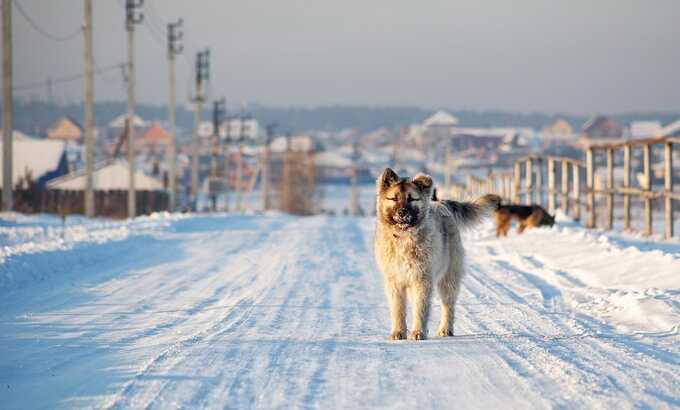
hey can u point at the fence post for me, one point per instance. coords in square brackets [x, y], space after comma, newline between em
[668, 187]
[528, 182]
[626, 185]
[610, 188]
[564, 187]
[538, 195]
[551, 185]
[507, 187]
[590, 188]
[516, 182]
[576, 182]
[647, 180]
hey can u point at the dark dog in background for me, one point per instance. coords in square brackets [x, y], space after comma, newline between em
[531, 216]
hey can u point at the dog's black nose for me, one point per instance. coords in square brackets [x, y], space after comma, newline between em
[404, 214]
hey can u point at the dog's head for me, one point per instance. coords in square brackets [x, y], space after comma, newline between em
[403, 203]
[547, 219]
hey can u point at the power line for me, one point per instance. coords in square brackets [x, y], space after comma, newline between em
[65, 79]
[40, 30]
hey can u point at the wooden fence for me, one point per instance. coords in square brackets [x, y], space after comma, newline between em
[572, 183]
[111, 204]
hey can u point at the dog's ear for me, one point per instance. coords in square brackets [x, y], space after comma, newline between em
[387, 178]
[423, 182]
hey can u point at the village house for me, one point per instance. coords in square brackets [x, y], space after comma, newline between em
[558, 132]
[601, 127]
[154, 140]
[65, 129]
[116, 126]
[644, 129]
[38, 160]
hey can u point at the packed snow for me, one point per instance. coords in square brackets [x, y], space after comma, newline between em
[275, 311]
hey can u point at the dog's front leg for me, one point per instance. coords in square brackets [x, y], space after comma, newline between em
[397, 300]
[420, 298]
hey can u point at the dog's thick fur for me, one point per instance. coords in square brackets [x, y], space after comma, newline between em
[418, 248]
[527, 217]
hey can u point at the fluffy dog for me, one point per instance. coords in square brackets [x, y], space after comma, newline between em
[418, 248]
[527, 217]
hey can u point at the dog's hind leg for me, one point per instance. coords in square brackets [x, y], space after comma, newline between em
[397, 300]
[420, 299]
[447, 294]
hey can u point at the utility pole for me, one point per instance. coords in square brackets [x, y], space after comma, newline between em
[89, 121]
[354, 205]
[132, 17]
[174, 48]
[50, 94]
[218, 110]
[239, 163]
[447, 167]
[227, 153]
[7, 105]
[202, 74]
[266, 205]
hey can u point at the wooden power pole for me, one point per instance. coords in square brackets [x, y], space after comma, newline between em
[174, 48]
[354, 204]
[266, 157]
[89, 116]
[7, 105]
[131, 18]
[202, 73]
[218, 111]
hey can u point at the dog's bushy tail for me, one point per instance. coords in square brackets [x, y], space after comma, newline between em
[468, 214]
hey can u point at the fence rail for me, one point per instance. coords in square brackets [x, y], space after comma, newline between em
[573, 183]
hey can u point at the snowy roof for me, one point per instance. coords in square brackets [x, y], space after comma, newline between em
[441, 118]
[119, 121]
[37, 156]
[672, 129]
[108, 176]
[642, 129]
[156, 134]
[303, 143]
[332, 159]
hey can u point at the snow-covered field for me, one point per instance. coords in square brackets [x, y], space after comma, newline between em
[277, 312]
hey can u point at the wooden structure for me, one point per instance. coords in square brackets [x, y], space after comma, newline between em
[565, 189]
[65, 129]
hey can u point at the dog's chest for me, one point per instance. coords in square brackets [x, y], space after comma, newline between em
[410, 260]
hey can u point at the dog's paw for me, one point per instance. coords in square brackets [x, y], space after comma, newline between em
[398, 335]
[417, 335]
[444, 333]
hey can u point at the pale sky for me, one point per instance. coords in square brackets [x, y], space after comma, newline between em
[606, 56]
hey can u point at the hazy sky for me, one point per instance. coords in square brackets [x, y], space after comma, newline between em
[519, 55]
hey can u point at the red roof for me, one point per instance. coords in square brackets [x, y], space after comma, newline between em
[155, 134]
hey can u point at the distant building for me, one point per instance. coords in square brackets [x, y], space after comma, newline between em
[154, 139]
[644, 129]
[295, 143]
[41, 159]
[440, 125]
[240, 127]
[65, 129]
[601, 127]
[107, 176]
[559, 127]
[670, 130]
[558, 132]
[118, 124]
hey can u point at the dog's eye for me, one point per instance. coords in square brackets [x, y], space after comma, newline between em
[391, 199]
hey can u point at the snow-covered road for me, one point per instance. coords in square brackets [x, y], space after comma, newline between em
[280, 312]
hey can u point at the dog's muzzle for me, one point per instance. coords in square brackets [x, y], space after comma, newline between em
[404, 218]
